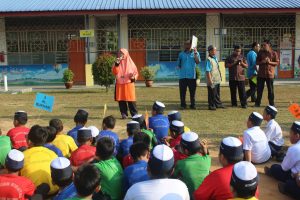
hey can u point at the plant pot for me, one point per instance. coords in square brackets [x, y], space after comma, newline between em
[198, 82]
[68, 84]
[148, 83]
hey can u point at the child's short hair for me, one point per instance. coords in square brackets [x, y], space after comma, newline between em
[109, 122]
[38, 135]
[21, 117]
[133, 127]
[296, 127]
[51, 131]
[158, 107]
[105, 148]
[84, 135]
[232, 149]
[141, 137]
[138, 149]
[81, 116]
[272, 111]
[87, 179]
[57, 124]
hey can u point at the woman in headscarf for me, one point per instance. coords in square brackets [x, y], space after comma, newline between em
[126, 74]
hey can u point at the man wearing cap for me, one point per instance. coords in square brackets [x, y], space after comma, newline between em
[141, 120]
[19, 132]
[13, 186]
[62, 175]
[217, 184]
[213, 79]
[160, 167]
[244, 181]
[86, 152]
[193, 169]
[290, 166]
[273, 130]
[80, 120]
[255, 142]
[236, 64]
[158, 122]
[186, 64]
[267, 59]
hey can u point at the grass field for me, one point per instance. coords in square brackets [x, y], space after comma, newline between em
[211, 125]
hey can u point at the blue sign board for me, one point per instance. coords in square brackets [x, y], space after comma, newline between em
[44, 102]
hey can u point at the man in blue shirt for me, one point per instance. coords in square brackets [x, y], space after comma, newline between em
[138, 171]
[80, 120]
[213, 79]
[252, 71]
[186, 63]
[158, 122]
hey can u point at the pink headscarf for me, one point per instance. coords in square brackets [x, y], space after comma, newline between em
[126, 68]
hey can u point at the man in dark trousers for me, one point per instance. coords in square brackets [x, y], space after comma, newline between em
[267, 59]
[213, 79]
[236, 63]
[252, 72]
[186, 63]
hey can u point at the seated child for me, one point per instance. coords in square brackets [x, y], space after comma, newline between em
[95, 133]
[18, 134]
[85, 152]
[133, 128]
[13, 186]
[176, 131]
[62, 141]
[290, 166]
[244, 181]
[37, 159]
[255, 142]
[141, 120]
[193, 169]
[108, 124]
[137, 172]
[86, 181]
[273, 130]
[175, 115]
[51, 131]
[80, 119]
[158, 122]
[5, 147]
[110, 169]
[62, 176]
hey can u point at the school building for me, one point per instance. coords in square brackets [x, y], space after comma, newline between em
[40, 38]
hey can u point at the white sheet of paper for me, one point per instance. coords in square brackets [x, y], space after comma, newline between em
[194, 42]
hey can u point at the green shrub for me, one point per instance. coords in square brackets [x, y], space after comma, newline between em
[102, 70]
[148, 73]
[68, 76]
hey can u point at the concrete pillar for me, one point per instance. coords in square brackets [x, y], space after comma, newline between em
[93, 40]
[123, 31]
[213, 22]
[3, 47]
[297, 46]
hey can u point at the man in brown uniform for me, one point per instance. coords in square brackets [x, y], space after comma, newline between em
[267, 59]
[236, 63]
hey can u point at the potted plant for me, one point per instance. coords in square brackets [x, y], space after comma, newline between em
[149, 74]
[198, 76]
[68, 78]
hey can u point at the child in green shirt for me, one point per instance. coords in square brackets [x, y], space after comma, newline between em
[193, 169]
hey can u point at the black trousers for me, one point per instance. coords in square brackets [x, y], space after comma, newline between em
[242, 93]
[291, 186]
[131, 105]
[274, 148]
[214, 96]
[260, 89]
[251, 92]
[185, 83]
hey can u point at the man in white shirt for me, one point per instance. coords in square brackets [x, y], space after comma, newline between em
[255, 143]
[273, 130]
[160, 167]
[290, 166]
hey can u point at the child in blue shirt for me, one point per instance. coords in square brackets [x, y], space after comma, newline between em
[80, 120]
[51, 131]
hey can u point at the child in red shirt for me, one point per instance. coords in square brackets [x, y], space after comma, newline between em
[176, 130]
[85, 152]
[18, 134]
[12, 185]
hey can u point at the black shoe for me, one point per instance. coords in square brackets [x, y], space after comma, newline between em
[220, 106]
[193, 107]
[244, 106]
[267, 171]
[281, 188]
[233, 105]
[212, 108]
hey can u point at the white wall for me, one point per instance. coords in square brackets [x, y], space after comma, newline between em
[3, 40]
[123, 31]
[212, 22]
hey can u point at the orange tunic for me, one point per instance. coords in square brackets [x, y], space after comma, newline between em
[124, 92]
